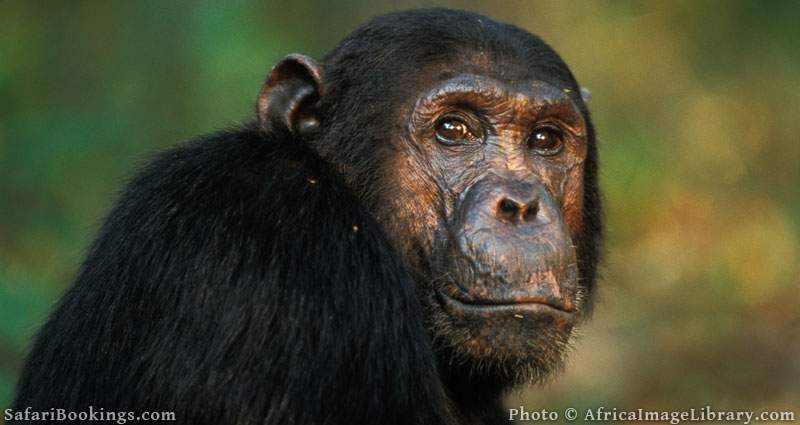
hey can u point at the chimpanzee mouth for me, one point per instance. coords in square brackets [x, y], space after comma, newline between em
[519, 307]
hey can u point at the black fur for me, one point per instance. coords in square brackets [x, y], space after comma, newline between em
[242, 278]
[238, 281]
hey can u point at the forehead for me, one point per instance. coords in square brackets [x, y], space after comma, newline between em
[486, 89]
[494, 73]
[505, 100]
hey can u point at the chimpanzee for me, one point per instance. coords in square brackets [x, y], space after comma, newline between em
[404, 231]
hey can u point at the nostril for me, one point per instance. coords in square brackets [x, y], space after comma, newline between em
[508, 210]
[530, 213]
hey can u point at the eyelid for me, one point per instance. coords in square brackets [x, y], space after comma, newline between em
[549, 126]
[558, 124]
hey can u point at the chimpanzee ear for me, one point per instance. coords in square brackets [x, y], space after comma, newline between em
[585, 94]
[289, 97]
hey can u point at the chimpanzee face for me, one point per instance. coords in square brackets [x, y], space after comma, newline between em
[488, 178]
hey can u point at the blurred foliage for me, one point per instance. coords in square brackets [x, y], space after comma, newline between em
[696, 105]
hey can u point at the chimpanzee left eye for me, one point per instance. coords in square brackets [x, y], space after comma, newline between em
[547, 140]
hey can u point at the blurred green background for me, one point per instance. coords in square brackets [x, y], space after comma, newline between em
[697, 106]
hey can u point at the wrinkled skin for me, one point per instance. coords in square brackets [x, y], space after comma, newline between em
[494, 217]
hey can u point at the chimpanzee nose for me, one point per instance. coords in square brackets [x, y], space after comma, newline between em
[507, 203]
[511, 226]
[514, 211]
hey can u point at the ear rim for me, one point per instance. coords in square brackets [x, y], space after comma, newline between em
[586, 95]
[292, 83]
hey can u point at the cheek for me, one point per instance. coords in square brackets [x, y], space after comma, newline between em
[572, 206]
[573, 201]
[410, 203]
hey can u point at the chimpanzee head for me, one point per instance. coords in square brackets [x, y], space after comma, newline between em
[469, 141]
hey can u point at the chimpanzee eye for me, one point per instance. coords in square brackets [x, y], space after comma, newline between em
[547, 140]
[453, 131]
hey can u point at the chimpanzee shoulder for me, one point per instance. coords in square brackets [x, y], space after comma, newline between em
[264, 279]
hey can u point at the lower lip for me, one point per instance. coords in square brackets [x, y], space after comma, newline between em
[518, 310]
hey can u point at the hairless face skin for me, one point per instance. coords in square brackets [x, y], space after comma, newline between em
[497, 169]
